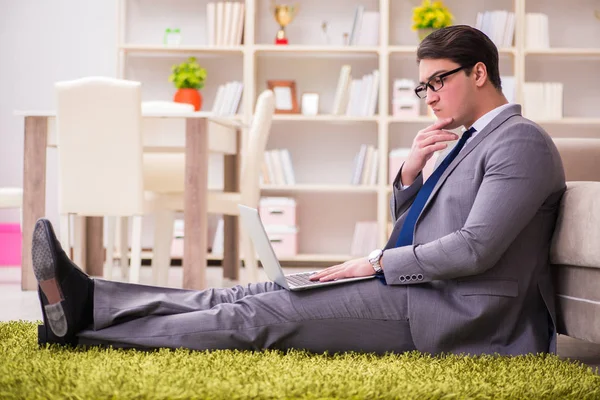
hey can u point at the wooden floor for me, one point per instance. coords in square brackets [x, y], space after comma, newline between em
[25, 306]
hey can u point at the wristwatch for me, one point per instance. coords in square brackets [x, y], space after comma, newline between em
[374, 259]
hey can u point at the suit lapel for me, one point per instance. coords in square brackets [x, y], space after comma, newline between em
[492, 126]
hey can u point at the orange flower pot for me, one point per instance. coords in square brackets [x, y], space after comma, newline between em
[189, 96]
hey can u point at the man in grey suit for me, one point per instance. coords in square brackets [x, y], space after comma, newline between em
[465, 270]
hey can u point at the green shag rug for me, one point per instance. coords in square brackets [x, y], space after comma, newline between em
[30, 372]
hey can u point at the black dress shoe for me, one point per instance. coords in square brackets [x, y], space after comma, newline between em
[65, 292]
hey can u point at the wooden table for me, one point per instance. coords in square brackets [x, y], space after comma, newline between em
[162, 132]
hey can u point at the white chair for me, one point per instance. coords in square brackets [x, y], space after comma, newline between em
[100, 156]
[99, 134]
[218, 202]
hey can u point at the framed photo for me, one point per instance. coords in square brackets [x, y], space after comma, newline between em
[286, 101]
[310, 103]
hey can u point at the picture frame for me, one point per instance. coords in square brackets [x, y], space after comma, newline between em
[310, 103]
[286, 100]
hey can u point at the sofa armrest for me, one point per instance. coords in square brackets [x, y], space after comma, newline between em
[576, 239]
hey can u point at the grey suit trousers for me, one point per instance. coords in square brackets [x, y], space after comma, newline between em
[365, 316]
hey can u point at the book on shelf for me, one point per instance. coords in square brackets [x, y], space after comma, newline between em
[364, 239]
[340, 101]
[277, 168]
[228, 98]
[365, 28]
[498, 25]
[543, 100]
[224, 23]
[365, 166]
[536, 31]
[363, 93]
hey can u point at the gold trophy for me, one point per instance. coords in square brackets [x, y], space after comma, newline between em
[284, 14]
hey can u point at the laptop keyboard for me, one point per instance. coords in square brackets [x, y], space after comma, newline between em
[301, 279]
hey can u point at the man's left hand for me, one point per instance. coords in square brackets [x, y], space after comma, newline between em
[349, 269]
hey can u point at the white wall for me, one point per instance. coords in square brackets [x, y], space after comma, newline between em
[42, 42]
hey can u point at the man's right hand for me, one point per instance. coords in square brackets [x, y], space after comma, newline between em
[427, 141]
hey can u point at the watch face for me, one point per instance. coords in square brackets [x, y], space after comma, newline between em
[374, 254]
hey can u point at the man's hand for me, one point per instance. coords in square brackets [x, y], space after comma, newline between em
[427, 141]
[349, 269]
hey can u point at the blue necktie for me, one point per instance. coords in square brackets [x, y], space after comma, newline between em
[405, 237]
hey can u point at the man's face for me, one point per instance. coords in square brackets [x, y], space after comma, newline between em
[455, 97]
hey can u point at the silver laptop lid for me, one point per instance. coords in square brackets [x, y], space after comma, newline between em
[254, 227]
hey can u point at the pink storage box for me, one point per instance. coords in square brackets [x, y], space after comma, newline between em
[278, 211]
[10, 245]
[284, 239]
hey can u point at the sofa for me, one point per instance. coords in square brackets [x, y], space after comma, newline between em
[575, 249]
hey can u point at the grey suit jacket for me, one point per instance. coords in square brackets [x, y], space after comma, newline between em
[478, 271]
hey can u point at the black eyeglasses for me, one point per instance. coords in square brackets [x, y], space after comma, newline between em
[435, 83]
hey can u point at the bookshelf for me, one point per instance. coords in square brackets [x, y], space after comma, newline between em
[323, 146]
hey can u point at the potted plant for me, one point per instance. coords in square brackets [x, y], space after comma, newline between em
[429, 17]
[188, 77]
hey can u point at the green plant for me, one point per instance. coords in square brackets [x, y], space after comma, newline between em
[431, 15]
[188, 75]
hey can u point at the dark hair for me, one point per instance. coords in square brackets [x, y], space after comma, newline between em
[465, 46]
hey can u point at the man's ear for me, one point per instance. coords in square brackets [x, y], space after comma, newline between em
[480, 74]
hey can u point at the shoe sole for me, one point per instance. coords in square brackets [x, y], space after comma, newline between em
[44, 269]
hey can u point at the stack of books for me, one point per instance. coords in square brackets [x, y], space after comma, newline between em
[365, 28]
[356, 97]
[536, 31]
[228, 98]
[224, 23]
[365, 166]
[498, 25]
[277, 168]
[543, 100]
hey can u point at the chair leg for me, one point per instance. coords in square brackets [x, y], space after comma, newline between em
[65, 233]
[111, 226]
[163, 238]
[124, 246]
[250, 262]
[79, 242]
[136, 249]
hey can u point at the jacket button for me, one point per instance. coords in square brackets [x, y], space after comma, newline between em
[402, 278]
[413, 277]
[420, 277]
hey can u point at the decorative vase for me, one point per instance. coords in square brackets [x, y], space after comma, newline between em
[189, 96]
[423, 32]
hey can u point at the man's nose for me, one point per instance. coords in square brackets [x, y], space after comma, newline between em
[432, 97]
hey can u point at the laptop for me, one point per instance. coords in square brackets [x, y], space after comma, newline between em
[293, 282]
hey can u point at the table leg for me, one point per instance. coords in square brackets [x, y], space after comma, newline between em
[195, 204]
[34, 190]
[94, 246]
[231, 245]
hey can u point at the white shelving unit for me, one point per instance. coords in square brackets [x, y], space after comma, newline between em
[322, 146]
